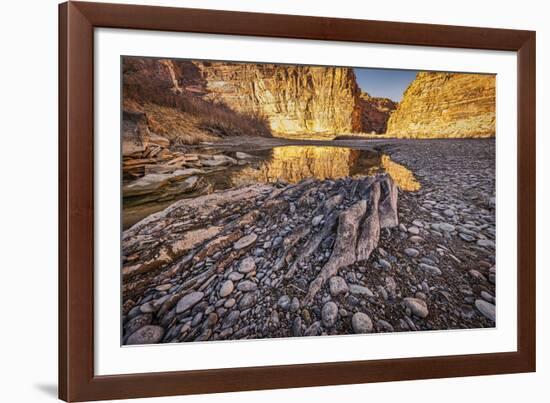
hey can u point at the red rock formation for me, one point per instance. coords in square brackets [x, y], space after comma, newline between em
[375, 113]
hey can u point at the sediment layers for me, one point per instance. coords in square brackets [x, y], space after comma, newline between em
[446, 105]
[375, 113]
[295, 99]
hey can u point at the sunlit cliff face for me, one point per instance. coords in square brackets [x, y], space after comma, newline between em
[295, 163]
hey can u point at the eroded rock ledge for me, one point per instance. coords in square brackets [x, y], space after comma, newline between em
[222, 265]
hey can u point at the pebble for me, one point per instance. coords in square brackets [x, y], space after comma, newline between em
[212, 319]
[486, 243]
[477, 275]
[329, 314]
[163, 287]
[187, 302]
[297, 327]
[294, 305]
[197, 318]
[414, 230]
[487, 297]
[391, 285]
[277, 241]
[247, 286]
[411, 252]
[361, 323]
[338, 286]
[417, 306]
[245, 241]
[486, 308]
[383, 293]
[446, 227]
[274, 318]
[247, 265]
[148, 307]
[430, 269]
[235, 276]
[138, 322]
[466, 237]
[317, 220]
[420, 295]
[384, 263]
[313, 330]
[360, 290]
[226, 288]
[229, 303]
[231, 319]
[146, 335]
[416, 239]
[425, 287]
[383, 325]
[449, 213]
[247, 301]
[284, 302]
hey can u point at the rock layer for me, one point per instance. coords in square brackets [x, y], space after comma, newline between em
[193, 264]
[295, 99]
[375, 113]
[446, 105]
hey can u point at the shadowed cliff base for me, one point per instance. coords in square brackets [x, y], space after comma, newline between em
[180, 115]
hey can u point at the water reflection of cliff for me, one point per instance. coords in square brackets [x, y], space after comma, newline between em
[401, 175]
[295, 163]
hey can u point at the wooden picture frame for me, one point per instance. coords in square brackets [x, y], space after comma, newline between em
[77, 21]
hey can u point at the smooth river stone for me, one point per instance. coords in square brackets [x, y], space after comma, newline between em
[226, 288]
[446, 227]
[329, 314]
[245, 241]
[188, 301]
[338, 286]
[247, 286]
[247, 265]
[360, 290]
[417, 306]
[411, 252]
[430, 269]
[486, 308]
[146, 335]
[486, 243]
[361, 323]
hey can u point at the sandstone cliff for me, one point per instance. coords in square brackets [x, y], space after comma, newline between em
[295, 99]
[375, 113]
[446, 105]
[171, 95]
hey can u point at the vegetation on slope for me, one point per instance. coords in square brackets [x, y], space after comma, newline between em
[181, 115]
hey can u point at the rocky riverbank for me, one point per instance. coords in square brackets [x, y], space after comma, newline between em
[332, 256]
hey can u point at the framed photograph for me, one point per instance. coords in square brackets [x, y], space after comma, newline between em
[257, 201]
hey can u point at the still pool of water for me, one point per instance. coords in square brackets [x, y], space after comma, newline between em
[293, 164]
[290, 164]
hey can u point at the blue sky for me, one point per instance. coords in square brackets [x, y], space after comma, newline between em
[386, 83]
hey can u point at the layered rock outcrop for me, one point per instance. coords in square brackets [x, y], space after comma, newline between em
[295, 99]
[375, 113]
[446, 105]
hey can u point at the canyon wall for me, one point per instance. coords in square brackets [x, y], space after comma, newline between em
[446, 105]
[375, 113]
[295, 99]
